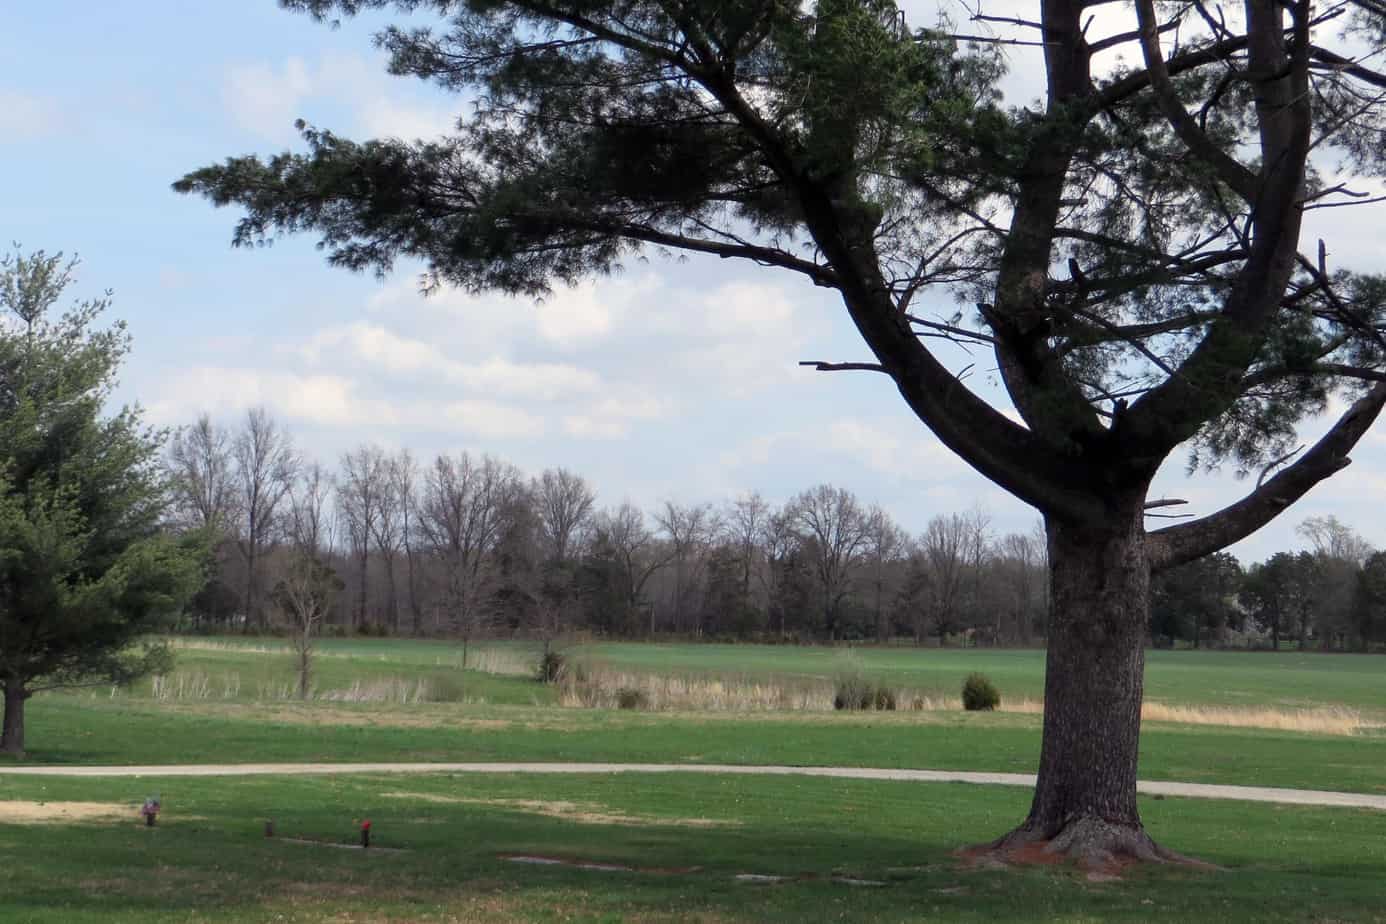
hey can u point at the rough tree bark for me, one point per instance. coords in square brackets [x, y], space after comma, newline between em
[1085, 796]
[12, 738]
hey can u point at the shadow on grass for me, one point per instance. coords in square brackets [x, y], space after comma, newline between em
[209, 859]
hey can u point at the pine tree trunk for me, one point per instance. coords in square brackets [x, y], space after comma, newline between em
[12, 738]
[1085, 797]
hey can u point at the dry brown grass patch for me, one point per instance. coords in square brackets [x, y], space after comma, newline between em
[26, 812]
[1332, 720]
[368, 715]
[587, 813]
[1324, 720]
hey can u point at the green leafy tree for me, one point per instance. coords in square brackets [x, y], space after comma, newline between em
[1370, 601]
[1279, 593]
[84, 568]
[1128, 248]
[1196, 599]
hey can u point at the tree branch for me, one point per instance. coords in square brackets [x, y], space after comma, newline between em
[843, 367]
[1176, 545]
[1227, 168]
[765, 256]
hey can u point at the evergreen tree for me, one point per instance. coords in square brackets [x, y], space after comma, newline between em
[84, 568]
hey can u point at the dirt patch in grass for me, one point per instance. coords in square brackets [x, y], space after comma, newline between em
[587, 813]
[22, 812]
[540, 859]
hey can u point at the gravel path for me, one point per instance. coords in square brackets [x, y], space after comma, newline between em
[1148, 787]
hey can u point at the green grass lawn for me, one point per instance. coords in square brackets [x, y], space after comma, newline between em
[208, 859]
[486, 716]
[93, 730]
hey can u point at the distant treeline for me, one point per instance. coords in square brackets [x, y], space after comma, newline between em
[469, 546]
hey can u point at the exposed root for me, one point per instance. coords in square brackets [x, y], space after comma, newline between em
[1100, 848]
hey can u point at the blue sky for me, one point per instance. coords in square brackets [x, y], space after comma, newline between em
[674, 380]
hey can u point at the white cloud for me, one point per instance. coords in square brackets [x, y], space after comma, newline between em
[266, 100]
[328, 400]
[740, 338]
[24, 117]
[612, 417]
[757, 451]
[492, 319]
[742, 309]
[377, 346]
[382, 117]
[333, 402]
[573, 317]
[489, 420]
[914, 456]
[917, 456]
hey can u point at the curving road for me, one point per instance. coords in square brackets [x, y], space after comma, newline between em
[1147, 787]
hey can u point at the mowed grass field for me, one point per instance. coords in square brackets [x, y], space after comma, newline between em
[229, 701]
[442, 850]
[236, 706]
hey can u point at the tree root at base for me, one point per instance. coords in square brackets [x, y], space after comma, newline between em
[1099, 847]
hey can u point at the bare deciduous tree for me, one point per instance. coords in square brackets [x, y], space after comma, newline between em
[200, 467]
[779, 542]
[624, 530]
[885, 542]
[265, 467]
[462, 518]
[307, 586]
[1023, 559]
[362, 493]
[1332, 538]
[943, 548]
[387, 532]
[743, 524]
[564, 502]
[403, 477]
[832, 521]
[689, 531]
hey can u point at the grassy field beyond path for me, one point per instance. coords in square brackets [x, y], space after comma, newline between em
[85, 730]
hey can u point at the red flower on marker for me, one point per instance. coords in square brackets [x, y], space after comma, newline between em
[366, 825]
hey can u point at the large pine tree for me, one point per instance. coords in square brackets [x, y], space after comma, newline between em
[1129, 249]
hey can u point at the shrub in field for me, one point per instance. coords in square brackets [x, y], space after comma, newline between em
[858, 692]
[631, 698]
[446, 688]
[551, 667]
[979, 693]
